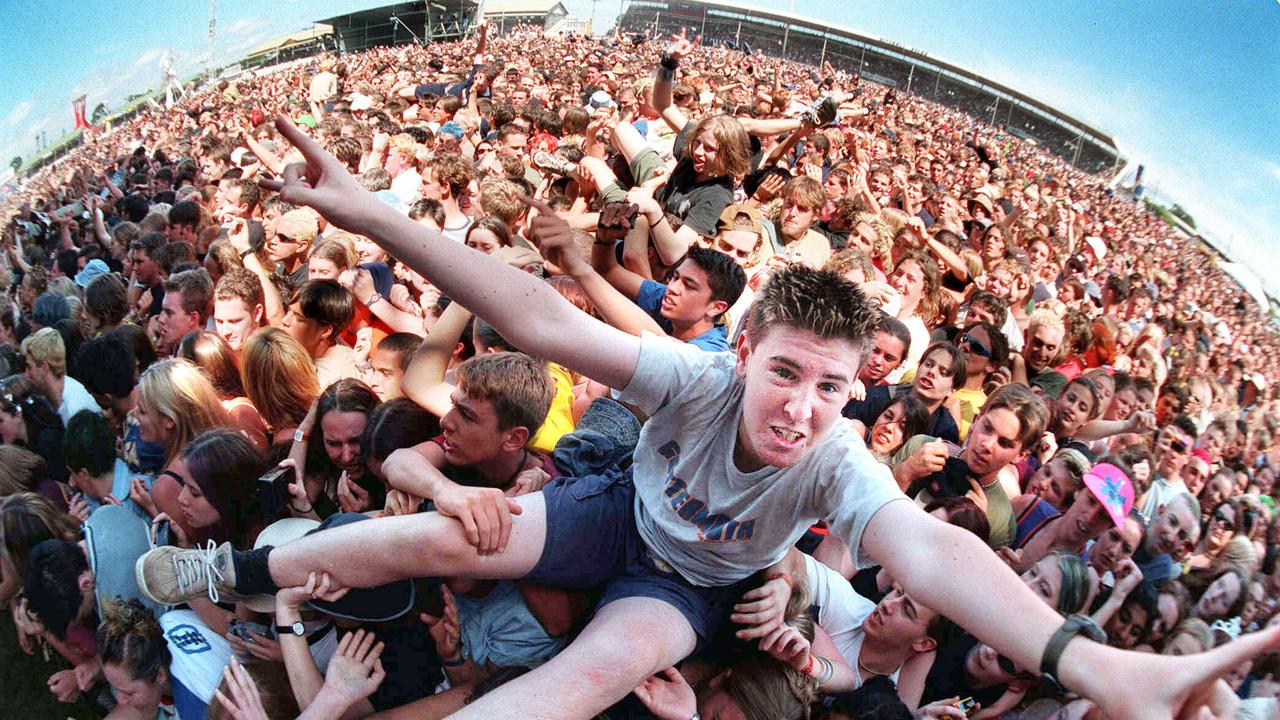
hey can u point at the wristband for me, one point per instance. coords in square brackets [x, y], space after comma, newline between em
[669, 62]
[828, 670]
[454, 663]
[1074, 625]
[300, 511]
[246, 253]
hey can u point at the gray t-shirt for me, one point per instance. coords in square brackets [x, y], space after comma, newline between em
[713, 523]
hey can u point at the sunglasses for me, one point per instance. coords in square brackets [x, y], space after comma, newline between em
[977, 347]
[1178, 446]
[1007, 666]
[1227, 523]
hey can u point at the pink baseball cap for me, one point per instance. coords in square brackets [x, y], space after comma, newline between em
[1113, 489]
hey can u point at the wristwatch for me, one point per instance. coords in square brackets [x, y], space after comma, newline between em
[1075, 625]
[294, 628]
[373, 300]
[300, 437]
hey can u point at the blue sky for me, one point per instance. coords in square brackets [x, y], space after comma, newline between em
[1189, 89]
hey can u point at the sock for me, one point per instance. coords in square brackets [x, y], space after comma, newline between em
[253, 575]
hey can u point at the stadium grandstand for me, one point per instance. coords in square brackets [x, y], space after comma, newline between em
[816, 41]
[420, 22]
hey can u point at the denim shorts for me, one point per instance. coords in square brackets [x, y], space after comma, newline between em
[592, 542]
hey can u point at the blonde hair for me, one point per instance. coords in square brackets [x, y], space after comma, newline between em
[45, 346]
[19, 469]
[279, 377]
[806, 191]
[500, 198]
[1197, 629]
[733, 151]
[180, 391]
[763, 688]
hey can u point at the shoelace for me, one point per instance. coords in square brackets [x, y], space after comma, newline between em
[196, 566]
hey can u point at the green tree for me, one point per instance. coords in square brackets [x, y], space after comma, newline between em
[1158, 210]
[1178, 212]
[99, 112]
[16, 162]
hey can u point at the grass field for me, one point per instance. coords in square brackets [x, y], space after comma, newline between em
[23, 692]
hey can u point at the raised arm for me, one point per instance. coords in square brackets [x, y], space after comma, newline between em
[679, 48]
[423, 381]
[504, 296]
[269, 160]
[613, 299]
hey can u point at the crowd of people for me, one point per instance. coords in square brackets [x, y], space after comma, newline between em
[562, 377]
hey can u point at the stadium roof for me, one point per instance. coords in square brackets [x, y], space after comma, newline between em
[519, 7]
[292, 39]
[827, 27]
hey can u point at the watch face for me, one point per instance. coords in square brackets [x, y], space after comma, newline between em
[298, 628]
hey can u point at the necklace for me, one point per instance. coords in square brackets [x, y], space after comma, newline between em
[862, 667]
[991, 484]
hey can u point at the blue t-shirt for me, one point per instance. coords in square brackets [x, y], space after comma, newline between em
[650, 300]
[120, 483]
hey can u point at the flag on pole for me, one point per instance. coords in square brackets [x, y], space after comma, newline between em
[77, 106]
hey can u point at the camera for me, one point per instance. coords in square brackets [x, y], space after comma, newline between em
[273, 490]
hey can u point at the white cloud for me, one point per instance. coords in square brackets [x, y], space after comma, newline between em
[148, 57]
[1272, 167]
[19, 113]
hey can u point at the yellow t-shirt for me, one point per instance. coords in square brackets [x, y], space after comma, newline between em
[560, 417]
[971, 402]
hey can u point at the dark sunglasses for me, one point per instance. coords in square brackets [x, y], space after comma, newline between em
[1007, 666]
[977, 347]
[1227, 522]
[1178, 446]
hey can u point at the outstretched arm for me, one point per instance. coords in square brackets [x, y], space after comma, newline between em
[504, 296]
[955, 574]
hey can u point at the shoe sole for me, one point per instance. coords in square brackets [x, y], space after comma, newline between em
[139, 577]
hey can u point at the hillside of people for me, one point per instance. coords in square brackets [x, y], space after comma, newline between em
[569, 377]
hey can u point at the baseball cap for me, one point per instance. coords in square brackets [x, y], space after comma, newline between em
[1113, 488]
[600, 99]
[729, 219]
[92, 270]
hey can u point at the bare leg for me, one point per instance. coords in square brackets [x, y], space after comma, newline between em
[626, 642]
[598, 170]
[377, 552]
[629, 142]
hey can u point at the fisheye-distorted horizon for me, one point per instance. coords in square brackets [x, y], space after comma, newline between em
[1189, 90]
